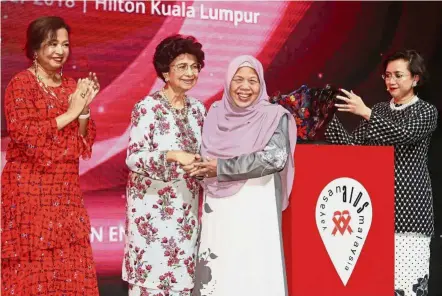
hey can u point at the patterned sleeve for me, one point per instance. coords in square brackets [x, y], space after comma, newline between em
[87, 141]
[203, 111]
[31, 135]
[384, 131]
[201, 116]
[198, 112]
[143, 154]
[270, 160]
[39, 138]
[336, 133]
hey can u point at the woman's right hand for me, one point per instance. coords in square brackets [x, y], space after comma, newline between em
[77, 102]
[182, 157]
[206, 169]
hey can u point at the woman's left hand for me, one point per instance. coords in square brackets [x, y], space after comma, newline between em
[205, 169]
[94, 87]
[354, 104]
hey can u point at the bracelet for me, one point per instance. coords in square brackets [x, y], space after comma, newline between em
[85, 116]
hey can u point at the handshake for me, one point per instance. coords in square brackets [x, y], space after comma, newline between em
[194, 164]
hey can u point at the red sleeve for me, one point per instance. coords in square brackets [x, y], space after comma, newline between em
[88, 140]
[34, 133]
[30, 134]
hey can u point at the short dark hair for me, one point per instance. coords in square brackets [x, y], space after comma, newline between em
[173, 46]
[416, 64]
[40, 29]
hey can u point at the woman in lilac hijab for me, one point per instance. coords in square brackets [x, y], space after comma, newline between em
[248, 145]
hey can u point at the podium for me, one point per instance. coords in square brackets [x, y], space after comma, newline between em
[338, 230]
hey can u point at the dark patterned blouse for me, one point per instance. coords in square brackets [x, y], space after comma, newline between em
[408, 129]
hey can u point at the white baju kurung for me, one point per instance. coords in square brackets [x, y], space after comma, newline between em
[162, 224]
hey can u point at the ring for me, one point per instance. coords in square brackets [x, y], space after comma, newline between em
[207, 175]
[83, 95]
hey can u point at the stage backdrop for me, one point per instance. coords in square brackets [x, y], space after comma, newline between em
[298, 43]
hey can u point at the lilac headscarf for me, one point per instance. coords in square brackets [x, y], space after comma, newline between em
[231, 131]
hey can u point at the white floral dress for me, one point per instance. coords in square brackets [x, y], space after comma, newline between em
[162, 224]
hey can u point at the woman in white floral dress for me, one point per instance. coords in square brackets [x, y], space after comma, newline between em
[162, 200]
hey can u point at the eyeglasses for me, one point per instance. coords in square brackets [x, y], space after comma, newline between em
[183, 68]
[396, 76]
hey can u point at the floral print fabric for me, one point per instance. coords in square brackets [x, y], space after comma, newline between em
[162, 224]
[412, 264]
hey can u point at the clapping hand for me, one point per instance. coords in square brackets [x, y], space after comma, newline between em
[94, 87]
[78, 99]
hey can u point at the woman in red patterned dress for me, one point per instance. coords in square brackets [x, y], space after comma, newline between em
[45, 226]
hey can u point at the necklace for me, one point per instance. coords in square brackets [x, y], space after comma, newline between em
[180, 113]
[403, 106]
[44, 86]
[186, 136]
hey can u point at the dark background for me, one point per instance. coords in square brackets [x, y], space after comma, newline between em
[373, 29]
[341, 43]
